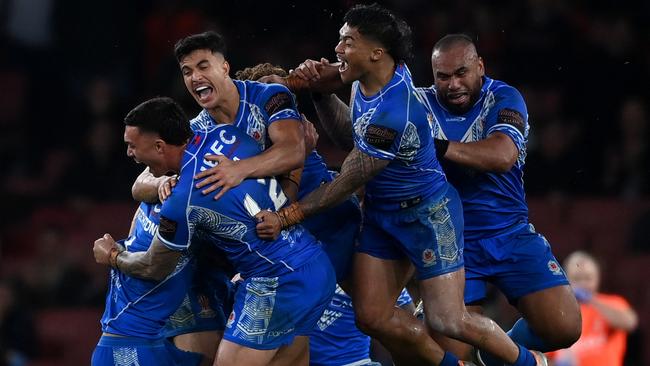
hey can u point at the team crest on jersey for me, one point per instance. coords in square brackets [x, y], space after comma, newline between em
[554, 267]
[231, 319]
[428, 257]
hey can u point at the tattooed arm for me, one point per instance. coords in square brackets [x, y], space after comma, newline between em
[357, 169]
[334, 116]
[154, 264]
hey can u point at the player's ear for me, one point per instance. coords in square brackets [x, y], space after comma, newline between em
[377, 53]
[226, 68]
[481, 67]
[159, 145]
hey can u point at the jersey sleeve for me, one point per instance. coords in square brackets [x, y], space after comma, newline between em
[276, 103]
[175, 229]
[378, 132]
[509, 116]
[202, 121]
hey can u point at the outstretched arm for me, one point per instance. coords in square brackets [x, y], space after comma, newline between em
[357, 169]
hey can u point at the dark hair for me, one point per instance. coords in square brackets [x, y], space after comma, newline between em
[260, 70]
[451, 40]
[380, 24]
[209, 40]
[163, 116]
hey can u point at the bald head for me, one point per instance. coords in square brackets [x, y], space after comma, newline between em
[451, 41]
[583, 271]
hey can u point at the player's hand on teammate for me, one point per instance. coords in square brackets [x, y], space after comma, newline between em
[225, 175]
[321, 76]
[268, 225]
[165, 188]
[311, 135]
[102, 249]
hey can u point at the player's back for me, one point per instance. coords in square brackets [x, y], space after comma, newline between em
[491, 201]
[393, 125]
[140, 308]
[230, 220]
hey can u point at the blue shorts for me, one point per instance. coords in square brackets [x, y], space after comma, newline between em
[205, 306]
[118, 351]
[518, 262]
[430, 234]
[338, 229]
[270, 311]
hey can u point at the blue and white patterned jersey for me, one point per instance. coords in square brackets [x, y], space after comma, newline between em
[393, 125]
[260, 105]
[337, 340]
[140, 308]
[229, 222]
[491, 201]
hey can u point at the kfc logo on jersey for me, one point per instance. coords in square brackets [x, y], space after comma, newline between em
[428, 257]
[554, 267]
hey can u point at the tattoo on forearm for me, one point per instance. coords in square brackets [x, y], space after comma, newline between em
[154, 264]
[335, 117]
[357, 169]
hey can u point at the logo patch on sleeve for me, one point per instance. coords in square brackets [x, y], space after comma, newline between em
[513, 118]
[167, 228]
[380, 137]
[278, 102]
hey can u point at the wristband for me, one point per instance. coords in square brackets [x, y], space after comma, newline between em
[441, 147]
[290, 215]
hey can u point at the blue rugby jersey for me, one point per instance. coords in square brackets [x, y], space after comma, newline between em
[259, 106]
[491, 201]
[140, 308]
[229, 222]
[393, 125]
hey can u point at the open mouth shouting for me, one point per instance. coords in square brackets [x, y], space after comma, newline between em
[203, 92]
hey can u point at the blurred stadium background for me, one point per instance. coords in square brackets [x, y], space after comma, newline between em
[70, 70]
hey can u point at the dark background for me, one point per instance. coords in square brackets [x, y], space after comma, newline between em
[70, 70]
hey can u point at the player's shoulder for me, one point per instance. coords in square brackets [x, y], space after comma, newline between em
[256, 90]
[202, 121]
[503, 90]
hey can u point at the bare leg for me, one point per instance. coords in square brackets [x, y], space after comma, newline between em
[553, 314]
[377, 285]
[445, 313]
[461, 349]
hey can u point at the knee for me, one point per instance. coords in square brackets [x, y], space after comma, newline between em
[449, 325]
[568, 333]
[371, 320]
[562, 333]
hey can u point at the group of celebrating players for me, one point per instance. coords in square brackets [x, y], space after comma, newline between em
[246, 250]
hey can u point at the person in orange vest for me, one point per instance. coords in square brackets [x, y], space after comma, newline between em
[606, 318]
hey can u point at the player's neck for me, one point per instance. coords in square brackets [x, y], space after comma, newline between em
[377, 78]
[175, 158]
[226, 110]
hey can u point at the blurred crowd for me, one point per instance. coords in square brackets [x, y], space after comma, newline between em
[70, 70]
